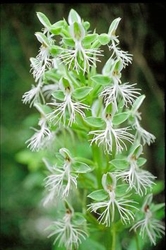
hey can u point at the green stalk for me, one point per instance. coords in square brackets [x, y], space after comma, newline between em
[97, 156]
[137, 243]
[113, 232]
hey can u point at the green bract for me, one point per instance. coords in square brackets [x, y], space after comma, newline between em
[81, 93]
[98, 195]
[44, 20]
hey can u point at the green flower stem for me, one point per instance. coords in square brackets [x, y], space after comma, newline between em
[137, 242]
[113, 233]
[98, 159]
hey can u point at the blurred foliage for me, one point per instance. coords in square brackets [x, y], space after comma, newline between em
[23, 218]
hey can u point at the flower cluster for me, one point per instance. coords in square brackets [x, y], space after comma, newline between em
[90, 131]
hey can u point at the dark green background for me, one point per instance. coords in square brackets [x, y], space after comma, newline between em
[141, 32]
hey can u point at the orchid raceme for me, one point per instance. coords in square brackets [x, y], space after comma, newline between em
[91, 137]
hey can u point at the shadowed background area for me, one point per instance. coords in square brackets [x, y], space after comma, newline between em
[23, 218]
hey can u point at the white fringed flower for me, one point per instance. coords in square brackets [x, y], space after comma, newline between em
[110, 137]
[37, 141]
[79, 58]
[42, 61]
[33, 95]
[149, 226]
[138, 179]
[127, 92]
[66, 110]
[142, 135]
[106, 209]
[67, 233]
[119, 54]
[60, 181]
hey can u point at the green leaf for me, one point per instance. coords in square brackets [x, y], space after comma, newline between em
[136, 150]
[89, 39]
[52, 75]
[156, 207]
[44, 20]
[58, 95]
[78, 218]
[57, 27]
[118, 65]
[113, 26]
[101, 79]
[43, 109]
[94, 121]
[158, 187]
[55, 50]
[141, 161]
[86, 25]
[89, 182]
[83, 159]
[90, 244]
[73, 17]
[81, 93]
[98, 195]
[104, 39]
[108, 66]
[81, 167]
[119, 118]
[68, 42]
[137, 103]
[42, 38]
[120, 163]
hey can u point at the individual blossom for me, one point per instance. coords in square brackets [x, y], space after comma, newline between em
[66, 109]
[37, 141]
[34, 95]
[116, 91]
[111, 137]
[117, 53]
[61, 179]
[68, 233]
[149, 227]
[142, 135]
[137, 178]
[77, 56]
[111, 202]
[43, 60]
